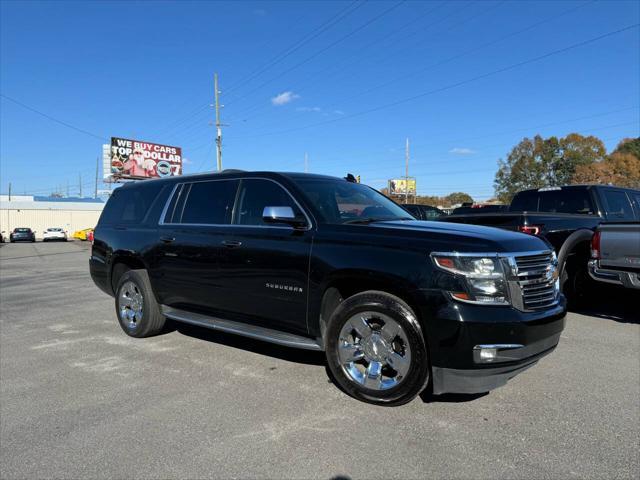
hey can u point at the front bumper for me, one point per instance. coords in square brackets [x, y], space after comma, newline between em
[479, 380]
[616, 277]
[456, 330]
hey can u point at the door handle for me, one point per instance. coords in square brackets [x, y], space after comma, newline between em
[231, 243]
[167, 239]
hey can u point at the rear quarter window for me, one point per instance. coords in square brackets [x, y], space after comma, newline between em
[569, 200]
[525, 202]
[129, 205]
[618, 205]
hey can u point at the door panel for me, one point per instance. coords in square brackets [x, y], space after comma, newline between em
[265, 271]
[266, 275]
[190, 247]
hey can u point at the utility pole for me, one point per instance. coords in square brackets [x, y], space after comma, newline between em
[218, 124]
[95, 195]
[80, 183]
[306, 162]
[406, 173]
[9, 191]
[67, 188]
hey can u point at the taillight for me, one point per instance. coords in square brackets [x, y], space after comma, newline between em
[595, 245]
[530, 229]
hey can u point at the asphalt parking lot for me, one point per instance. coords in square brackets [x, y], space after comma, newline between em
[80, 399]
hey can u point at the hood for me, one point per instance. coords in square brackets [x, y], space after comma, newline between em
[464, 237]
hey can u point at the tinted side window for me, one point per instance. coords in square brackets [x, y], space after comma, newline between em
[129, 205]
[209, 202]
[255, 194]
[525, 202]
[414, 210]
[570, 200]
[618, 205]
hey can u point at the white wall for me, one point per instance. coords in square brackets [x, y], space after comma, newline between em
[39, 219]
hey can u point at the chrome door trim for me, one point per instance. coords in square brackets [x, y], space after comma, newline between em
[166, 206]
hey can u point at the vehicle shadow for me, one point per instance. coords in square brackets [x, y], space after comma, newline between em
[297, 355]
[611, 303]
[428, 397]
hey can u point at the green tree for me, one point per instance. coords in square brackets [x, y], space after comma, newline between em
[577, 151]
[621, 169]
[540, 162]
[629, 145]
[458, 197]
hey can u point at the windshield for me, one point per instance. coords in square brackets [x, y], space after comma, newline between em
[339, 202]
[54, 229]
[22, 230]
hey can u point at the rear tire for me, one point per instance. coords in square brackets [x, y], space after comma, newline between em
[136, 307]
[578, 286]
[376, 350]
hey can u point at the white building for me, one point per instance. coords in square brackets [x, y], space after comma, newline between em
[40, 213]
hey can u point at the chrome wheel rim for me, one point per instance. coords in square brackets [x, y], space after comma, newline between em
[374, 351]
[130, 305]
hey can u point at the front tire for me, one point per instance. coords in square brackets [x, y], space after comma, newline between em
[136, 307]
[376, 349]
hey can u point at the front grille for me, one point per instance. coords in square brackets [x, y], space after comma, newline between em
[537, 281]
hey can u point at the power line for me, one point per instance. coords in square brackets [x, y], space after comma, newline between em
[348, 59]
[450, 86]
[465, 53]
[53, 119]
[282, 55]
[468, 52]
[319, 52]
[521, 129]
[300, 43]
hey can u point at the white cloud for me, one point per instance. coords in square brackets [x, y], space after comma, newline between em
[338, 112]
[309, 109]
[462, 151]
[284, 98]
[186, 161]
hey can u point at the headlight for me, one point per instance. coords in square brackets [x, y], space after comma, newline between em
[484, 277]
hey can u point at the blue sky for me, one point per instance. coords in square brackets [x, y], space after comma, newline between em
[346, 82]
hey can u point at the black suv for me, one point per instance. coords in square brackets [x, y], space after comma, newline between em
[322, 263]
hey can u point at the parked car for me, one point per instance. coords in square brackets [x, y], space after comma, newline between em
[22, 234]
[396, 304]
[566, 217]
[615, 254]
[54, 234]
[82, 234]
[423, 212]
[479, 208]
[2, 236]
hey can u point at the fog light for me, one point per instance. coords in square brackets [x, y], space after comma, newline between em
[488, 354]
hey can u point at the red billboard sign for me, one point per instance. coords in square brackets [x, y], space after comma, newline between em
[139, 159]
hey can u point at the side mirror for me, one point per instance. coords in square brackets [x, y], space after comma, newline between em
[282, 215]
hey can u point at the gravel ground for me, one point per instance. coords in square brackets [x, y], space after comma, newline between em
[80, 399]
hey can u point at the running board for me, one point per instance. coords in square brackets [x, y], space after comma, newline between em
[239, 328]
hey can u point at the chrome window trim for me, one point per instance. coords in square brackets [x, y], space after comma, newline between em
[309, 225]
[168, 202]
